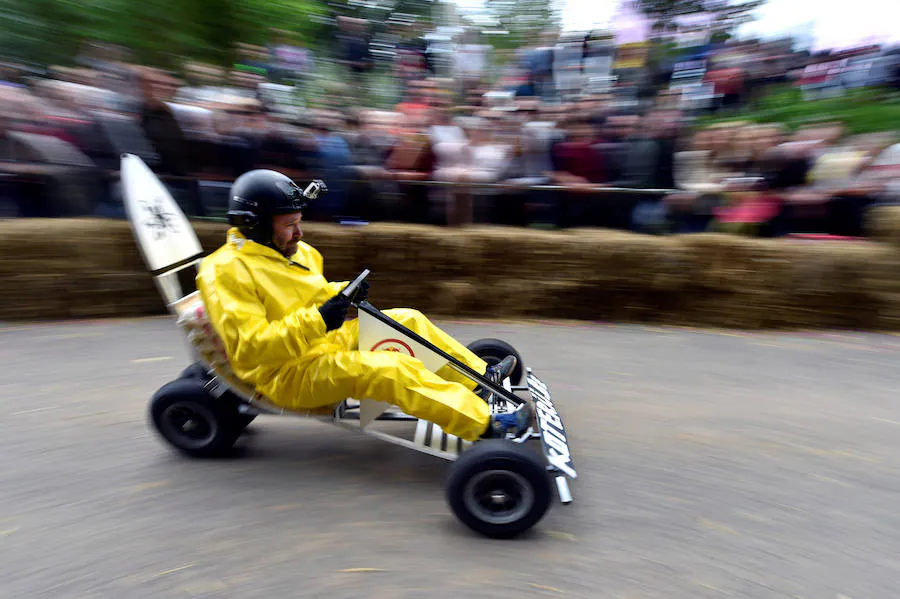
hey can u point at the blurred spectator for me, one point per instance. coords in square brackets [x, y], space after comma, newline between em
[160, 125]
[450, 145]
[838, 194]
[486, 158]
[649, 164]
[289, 60]
[333, 164]
[471, 61]
[353, 50]
[698, 176]
[728, 83]
[540, 66]
[168, 140]
[881, 177]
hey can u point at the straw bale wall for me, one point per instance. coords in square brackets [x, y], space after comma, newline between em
[86, 268]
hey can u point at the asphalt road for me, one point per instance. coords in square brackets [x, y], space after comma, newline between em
[711, 465]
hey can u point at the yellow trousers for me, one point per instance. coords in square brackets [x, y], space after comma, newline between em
[445, 398]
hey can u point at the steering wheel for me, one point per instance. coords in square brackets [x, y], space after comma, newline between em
[352, 290]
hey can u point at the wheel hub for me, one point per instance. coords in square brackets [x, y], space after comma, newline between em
[189, 424]
[498, 496]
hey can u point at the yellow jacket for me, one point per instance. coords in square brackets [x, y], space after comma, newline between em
[265, 307]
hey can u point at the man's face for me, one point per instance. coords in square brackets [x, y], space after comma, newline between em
[286, 232]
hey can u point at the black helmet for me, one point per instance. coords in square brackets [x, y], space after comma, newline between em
[258, 195]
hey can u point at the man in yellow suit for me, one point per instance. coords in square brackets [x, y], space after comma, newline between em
[283, 323]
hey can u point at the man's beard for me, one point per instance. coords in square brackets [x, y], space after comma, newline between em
[289, 249]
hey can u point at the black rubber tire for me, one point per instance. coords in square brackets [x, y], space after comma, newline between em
[198, 371]
[217, 420]
[244, 420]
[510, 465]
[494, 350]
[195, 371]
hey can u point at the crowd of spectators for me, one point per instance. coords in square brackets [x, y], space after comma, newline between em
[566, 134]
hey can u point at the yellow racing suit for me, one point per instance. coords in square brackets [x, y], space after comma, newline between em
[265, 308]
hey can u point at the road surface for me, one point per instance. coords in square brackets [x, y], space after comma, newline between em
[711, 465]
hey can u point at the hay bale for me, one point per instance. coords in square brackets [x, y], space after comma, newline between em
[33, 296]
[455, 298]
[62, 268]
[117, 294]
[211, 235]
[883, 224]
[340, 248]
[514, 252]
[78, 268]
[733, 281]
[620, 261]
[449, 253]
[399, 258]
[879, 278]
[829, 286]
[493, 272]
[625, 277]
[509, 298]
[755, 283]
[393, 247]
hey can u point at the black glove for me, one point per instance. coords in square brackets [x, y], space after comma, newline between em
[334, 311]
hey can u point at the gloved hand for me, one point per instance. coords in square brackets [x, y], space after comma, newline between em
[334, 311]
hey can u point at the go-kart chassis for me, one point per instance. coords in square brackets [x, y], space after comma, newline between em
[357, 415]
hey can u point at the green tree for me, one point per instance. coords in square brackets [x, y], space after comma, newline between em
[523, 20]
[726, 15]
[157, 32]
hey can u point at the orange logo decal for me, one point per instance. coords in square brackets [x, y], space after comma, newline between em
[394, 345]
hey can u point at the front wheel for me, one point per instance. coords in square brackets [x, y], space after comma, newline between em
[499, 489]
[494, 350]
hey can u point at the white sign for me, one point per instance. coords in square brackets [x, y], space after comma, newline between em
[375, 335]
[162, 231]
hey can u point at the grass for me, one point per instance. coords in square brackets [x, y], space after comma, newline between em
[868, 110]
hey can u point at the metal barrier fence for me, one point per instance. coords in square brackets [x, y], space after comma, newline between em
[591, 189]
[383, 193]
[207, 198]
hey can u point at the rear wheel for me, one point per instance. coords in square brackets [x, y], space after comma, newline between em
[499, 489]
[198, 371]
[494, 350]
[193, 421]
[195, 371]
[244, 420]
